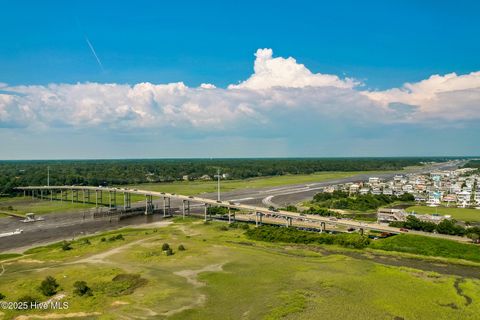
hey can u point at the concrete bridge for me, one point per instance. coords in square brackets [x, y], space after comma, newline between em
[98, 195]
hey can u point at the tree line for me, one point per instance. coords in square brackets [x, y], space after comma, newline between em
[446, 226]
[121, 172]
[361, 202]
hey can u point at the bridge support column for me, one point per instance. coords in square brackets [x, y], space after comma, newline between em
[112, 199]
[206, 212]
[98, 198]
[51, 194]
[41, 194]
[288, 221]
[183, 208]
[322, 226]
[61, 195]
[148, 204]
[258, 218]
[361, 231]
[24, 193]
[229, 215]
[33, 194]
[126, 201]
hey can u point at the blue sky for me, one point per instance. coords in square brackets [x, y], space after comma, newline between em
[381, 45]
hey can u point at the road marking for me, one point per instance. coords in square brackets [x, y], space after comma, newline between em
[243, 199]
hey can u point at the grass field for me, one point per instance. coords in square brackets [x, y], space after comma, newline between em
[460, 214]
[223, 275]
[198, 187]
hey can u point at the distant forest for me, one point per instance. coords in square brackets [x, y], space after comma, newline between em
[473, 164]
[118, 172]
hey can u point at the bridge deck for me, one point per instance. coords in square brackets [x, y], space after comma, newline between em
[281, 213]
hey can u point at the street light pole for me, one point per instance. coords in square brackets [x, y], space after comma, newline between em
[218, 184]
[48, 176]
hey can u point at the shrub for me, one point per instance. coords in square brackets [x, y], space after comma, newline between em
[66, 246]
[245, 226]
[181, 248]
[2, 296]
[81, 289]
[28, 300]
[123, 284]
[223, 228]
[165, 247]
[322, 212]
[103, 239]
[86, 242]
[217, 210]
[117, 237]
[169, 252]
[49, 286]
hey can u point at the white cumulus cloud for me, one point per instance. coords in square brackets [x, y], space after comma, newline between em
[448, 97]
[280, 72]
[279, 89]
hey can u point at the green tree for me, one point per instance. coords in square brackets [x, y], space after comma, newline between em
[81, 289]
[165, 247]
[448, 226]
[49, 286]
[181, 247]
[66, 246]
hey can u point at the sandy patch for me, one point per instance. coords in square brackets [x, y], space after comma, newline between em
[102, 257]
[188, 231]
[30, 261]
[59, 315]
[156, 224]
[55, 298]
[119, 303]
[191, 277]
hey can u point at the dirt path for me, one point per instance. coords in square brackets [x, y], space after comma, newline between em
[102, 257]
[75, 315]
[191, 277]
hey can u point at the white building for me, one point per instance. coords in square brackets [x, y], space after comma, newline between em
[373, 180]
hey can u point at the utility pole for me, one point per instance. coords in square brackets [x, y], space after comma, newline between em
[218, 183]
[48, 176]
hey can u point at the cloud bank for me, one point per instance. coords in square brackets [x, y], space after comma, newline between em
[279, 89]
